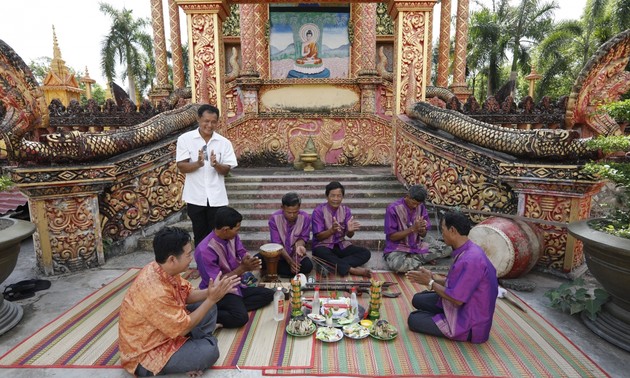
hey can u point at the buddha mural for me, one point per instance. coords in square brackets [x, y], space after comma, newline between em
[309, 50]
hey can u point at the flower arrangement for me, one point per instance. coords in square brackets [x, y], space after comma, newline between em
[614, 166]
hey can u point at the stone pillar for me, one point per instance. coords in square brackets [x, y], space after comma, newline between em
[558, 194]
[65, 210]
[459, 86]
[162, 88]
[363, 51]
[254, 41]
[205, 45]
[179, 80]
[445, 43]
[411, 54]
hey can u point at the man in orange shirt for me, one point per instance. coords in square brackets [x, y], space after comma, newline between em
[165, 325]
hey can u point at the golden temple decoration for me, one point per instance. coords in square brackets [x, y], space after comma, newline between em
[384, 23]
[231, 25]
[60, 83]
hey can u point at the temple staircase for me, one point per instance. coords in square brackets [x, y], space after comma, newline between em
[257, 192]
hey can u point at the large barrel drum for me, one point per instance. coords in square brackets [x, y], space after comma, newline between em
[512, 246]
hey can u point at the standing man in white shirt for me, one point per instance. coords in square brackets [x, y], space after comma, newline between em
[205, 157]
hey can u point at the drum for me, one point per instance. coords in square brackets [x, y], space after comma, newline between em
[271, 254]
[512, 246]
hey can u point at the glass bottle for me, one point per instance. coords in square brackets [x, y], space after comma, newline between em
[354, 303]
[278, 305]
[315, 306]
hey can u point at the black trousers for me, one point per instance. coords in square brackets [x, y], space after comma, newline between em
[233, 309]
[349, 257]
[202, 218]
[284, 269]
[421, 320]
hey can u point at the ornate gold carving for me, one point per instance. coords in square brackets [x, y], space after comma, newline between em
[231, 25]
[468, 181]
[74, 245]
[345, 141]
[461, 39]
[411, 75]
[137, 202]
[384, 23]
[205, 61]
[159, 44]
[179, 80]
[603, 79]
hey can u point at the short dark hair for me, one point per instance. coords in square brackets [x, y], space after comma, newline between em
[458, 220]
[227, 216]
[169, 241]
[207, 108]
[291, 199]
[335, 185]
[418, 193]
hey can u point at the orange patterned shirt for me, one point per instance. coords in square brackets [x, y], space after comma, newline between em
[152, 316]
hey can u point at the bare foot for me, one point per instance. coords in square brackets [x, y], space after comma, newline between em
[195, 373]
[361, 272]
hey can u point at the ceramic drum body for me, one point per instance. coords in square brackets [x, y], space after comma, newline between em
[512, 246]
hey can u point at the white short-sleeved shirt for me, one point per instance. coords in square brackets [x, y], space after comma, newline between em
[205, 185]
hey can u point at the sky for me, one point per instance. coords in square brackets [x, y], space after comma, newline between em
[26, 26]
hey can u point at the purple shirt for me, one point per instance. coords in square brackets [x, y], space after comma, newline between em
[285, 233]
[214, 255]
[472, 280]
[322, 220]
[399, 217]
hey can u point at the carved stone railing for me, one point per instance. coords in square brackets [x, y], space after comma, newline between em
[460, 174]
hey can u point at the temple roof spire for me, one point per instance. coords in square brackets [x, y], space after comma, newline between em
[58, 65]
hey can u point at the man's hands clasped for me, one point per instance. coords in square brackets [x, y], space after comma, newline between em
[220, 286]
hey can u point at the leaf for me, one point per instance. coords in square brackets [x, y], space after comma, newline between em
[576, 308]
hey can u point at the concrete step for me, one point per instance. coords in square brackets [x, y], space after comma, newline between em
[358, 213]
[299, 186]
[344, 176]
[309, 204]
[318, 194]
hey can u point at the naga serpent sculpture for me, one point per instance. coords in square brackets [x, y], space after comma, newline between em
[535, 144]
[22, 108]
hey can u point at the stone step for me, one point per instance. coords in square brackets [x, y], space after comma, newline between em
[300, 186]
[309, 203]
[251, 175]
[358, 213]
[318, 194]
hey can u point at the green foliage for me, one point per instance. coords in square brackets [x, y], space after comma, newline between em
[5, 183]
[573, 297]
[619, 110]
[616, 169]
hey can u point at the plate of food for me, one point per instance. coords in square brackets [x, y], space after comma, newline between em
[339, 307]
[300, 327]
[383, 330]
[329, 334]
[356, 331]
[318, 318]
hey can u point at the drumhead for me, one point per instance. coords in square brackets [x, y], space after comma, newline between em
[271, 247]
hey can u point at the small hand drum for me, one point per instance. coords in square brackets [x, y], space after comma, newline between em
[271, 254]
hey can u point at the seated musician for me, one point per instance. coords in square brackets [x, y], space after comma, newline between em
[222, 252]
[309, 50]
[291, 227]
[332, 222]
[460, 306]
[407, 246]
[165, 326]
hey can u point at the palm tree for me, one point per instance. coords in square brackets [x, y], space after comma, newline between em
[488, 43]
[127, 44]
[528, 25]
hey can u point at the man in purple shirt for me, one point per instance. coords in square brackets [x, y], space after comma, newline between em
[291, 227]
[332, 222]
[460, 306]
[407, 246]
[222, 251]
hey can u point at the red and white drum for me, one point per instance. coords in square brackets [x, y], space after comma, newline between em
[512, 246]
